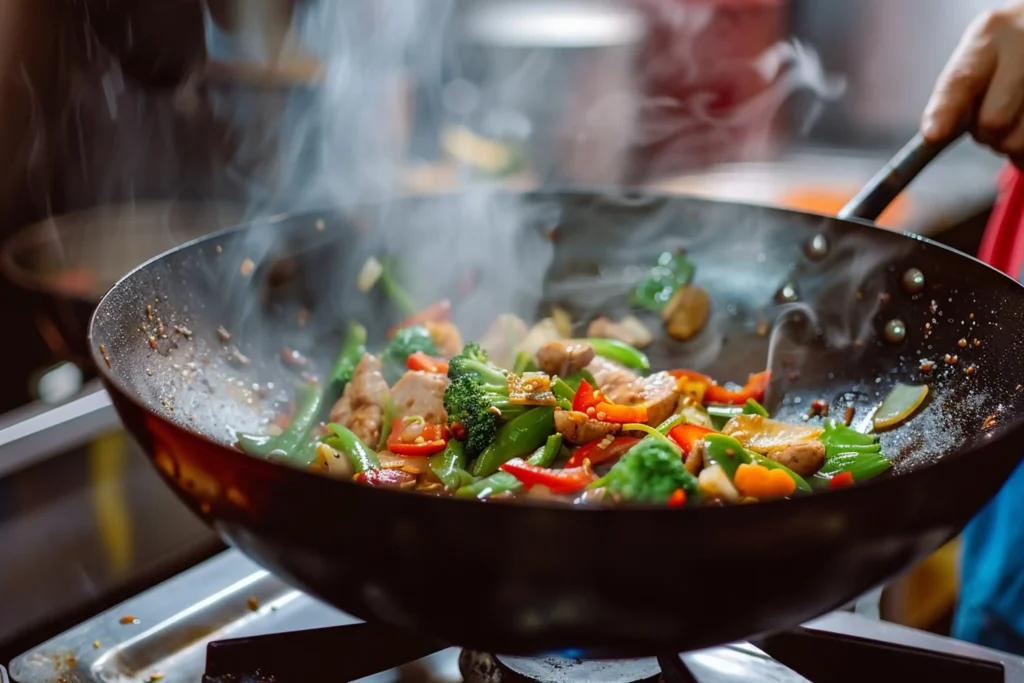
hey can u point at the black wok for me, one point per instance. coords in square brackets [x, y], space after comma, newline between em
[537, 577]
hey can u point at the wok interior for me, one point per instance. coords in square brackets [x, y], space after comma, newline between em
[583, 251]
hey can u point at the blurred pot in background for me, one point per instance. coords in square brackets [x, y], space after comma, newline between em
[712, 88]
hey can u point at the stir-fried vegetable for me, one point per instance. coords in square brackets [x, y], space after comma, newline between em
[363, 459]
[515, 439]
[672, 271]
[407, 341]
[651, 472]
[504, 482]
[477, 400]
[620, 352]
[899, 405]
[450, 466]
[296, 443]
[475, 428]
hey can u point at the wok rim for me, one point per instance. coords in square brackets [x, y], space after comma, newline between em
[997, 439]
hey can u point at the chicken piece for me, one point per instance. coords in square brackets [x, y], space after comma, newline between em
[564, 358]
[611, 376]
[764, 435]
[658, 392]
[577, 428]
[503, 337]
[422, 394]
[361, 406]
[446, 336]
[803, 457]
[629, 331]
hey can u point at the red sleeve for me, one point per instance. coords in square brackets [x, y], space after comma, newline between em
[1002, 246]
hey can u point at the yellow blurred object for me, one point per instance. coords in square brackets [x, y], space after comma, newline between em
[107, 458]
[927, 594]
[829, 200]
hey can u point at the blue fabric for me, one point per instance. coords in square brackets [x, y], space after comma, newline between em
[991, 606]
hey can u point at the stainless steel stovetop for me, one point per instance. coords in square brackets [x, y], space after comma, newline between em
[163, 633]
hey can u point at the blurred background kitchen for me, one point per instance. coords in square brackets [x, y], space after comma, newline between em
[128, 126]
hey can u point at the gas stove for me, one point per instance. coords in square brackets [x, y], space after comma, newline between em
[228, 621]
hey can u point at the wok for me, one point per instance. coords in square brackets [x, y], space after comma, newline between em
[64, 264]
[537, 577]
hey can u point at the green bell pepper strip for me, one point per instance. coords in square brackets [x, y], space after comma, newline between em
[308, 399]
[752, 407]
[357, 452]
[524, 363]
[450, 464]
[397, 294]
[620, 352]
[500, 482]
[721, 414]
[863, 465]
[388, 422]
[837, 433]
[576, 378]
[562, 390]
[352, 351]
[515, 438]
[726, 452]
[296, 444]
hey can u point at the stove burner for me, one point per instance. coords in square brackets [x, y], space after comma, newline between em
[479, 667]
[351, 652]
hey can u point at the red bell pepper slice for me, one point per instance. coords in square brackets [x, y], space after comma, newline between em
[613, 412]
[754, 389]
[434, 313]
[677, 499]
[421, 361]
[585, 397]
[841, 480]
[686, 435]
[427, 439]
[568, 480]
[595, 454]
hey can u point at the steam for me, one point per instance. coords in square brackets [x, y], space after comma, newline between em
[321, 106]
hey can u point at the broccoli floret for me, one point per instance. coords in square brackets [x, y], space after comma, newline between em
[478, 398]
[472, 350]
[407, 341]
[649, 473]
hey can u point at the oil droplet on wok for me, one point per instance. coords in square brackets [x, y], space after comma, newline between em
[913, 281]
[895, 331]
[787, 294]
[816, 248]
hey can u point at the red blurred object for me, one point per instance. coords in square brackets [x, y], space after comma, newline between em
[1002, 246]
[705, 65]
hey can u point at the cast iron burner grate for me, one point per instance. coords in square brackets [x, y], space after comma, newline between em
[348, 653]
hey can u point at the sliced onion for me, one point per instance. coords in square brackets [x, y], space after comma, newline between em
[714, 483]
[369, 274]
[900, 404]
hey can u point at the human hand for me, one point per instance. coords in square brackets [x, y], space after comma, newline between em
[983, 82]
